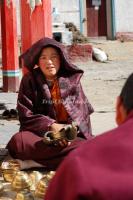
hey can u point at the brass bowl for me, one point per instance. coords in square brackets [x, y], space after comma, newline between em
[10, 164]
[35, 178]
[9, 169]
[8, 175]
[24, 195]
[13, 164]
[21, 181]
[50, 175]
[41, 187]
[68, 132]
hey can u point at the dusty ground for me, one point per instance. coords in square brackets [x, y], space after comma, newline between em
[102, 83]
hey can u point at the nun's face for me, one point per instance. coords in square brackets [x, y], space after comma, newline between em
[49, 62]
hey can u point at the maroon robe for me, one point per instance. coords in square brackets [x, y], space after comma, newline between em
[100, 169]
[37, 113]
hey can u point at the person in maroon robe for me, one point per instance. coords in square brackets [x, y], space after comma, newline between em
[50, 97]
[100, 169]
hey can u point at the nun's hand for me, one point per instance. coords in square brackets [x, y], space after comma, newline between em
[56, 127]
[62, 143]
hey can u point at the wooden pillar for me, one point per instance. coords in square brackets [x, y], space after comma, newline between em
[9, 46]
[36, 22]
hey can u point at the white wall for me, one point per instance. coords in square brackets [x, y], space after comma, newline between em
[69, 10]
[124, 15]
[17, 3]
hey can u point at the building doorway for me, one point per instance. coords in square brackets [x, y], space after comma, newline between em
[96, 18]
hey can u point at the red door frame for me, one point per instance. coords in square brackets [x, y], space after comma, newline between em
[96, 19]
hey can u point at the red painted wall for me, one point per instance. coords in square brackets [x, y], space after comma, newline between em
[36, 24]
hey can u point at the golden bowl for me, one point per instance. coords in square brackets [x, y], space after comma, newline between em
[10, 164]
[9, 169]
[13, 164]
[8, 175]
[1, 187]
[21, 181]
[50, 175]
[41, 187]
[24, 195]
[35, 178]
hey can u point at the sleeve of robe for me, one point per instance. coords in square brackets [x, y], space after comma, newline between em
[36, 123]
[69, 182]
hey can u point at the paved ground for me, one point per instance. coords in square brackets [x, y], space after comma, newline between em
[8, 127]
[102, 83]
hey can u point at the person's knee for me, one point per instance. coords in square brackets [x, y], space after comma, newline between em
[15, 145]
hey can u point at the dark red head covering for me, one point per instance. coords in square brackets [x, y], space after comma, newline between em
[31, 56]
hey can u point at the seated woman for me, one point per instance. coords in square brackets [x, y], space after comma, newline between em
[49, 98]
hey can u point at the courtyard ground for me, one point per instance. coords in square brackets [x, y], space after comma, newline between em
[103, 81]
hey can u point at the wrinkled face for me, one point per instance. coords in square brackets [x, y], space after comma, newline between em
[49, 62]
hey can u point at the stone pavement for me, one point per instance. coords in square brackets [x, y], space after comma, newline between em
[102, 82]
[8, 127]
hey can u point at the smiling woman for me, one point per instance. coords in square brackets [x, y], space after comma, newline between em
[50, 98]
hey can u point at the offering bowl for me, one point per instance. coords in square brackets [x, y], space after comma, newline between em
[24, 195]
[35, 178]
[50, 175]
[21, 181]
[41, 187]
[9, 169]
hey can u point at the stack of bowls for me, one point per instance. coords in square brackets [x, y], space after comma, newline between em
[35, 178]
[24, 195]
[42, 185]
[9, 169]
[21, 181]
[50, 175]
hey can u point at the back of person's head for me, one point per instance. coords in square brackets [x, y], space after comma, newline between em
[126, 94]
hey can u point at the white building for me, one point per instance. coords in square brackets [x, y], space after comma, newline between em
[96, 18]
